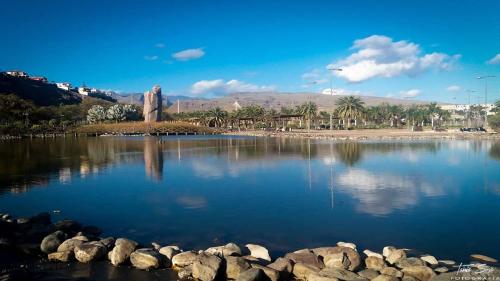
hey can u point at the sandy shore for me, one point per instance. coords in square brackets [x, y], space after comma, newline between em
[368, 134]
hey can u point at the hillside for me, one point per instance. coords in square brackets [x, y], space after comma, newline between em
[42, 94]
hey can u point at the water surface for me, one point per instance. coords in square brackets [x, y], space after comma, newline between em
[440, 197]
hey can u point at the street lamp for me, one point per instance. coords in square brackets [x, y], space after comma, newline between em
[485, 78]
[332, 69]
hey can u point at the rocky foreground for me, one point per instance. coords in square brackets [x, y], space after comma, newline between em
[68, 241]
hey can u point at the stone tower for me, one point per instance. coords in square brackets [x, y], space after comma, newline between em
[153, 105]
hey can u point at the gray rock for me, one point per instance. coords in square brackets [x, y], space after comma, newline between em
[272, 274]
[153, 105]
[338, 260]
[368, 273]
[205, 268]
[184, 259]
[81, 237]
[386, 252]
[169, 251]
[301, 271]
[69, 245]
[235, 266]
[347, 244]
[252, 274]
[369, 253]
[90, 251]
[483, 258]
[229, 249]
[392, 272]
[395, 256]
[185, 272]
[341, 274]
[109, 242]
[156, 246]
[431, 260]
[383, 277]
[146, 259]
[447, 262]
[64, 256]
[441, 269]
[52, 241]
[122, 251]
[422, 273]
[409, 278]
[307, 258]
[283, 265]
[319, 277]
[374, 263]
[352, 255]
[407, 262]
[258, 251]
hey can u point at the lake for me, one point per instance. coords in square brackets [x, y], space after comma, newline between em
[438, 196]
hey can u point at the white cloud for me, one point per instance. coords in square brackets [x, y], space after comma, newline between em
[380, 56]
[494, 60]
[220, 87]
[410, 93]
[189, 54]
[150, 57]
[160, 45]
[453, 88]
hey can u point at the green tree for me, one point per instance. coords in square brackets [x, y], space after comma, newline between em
[116, 113]
[309, 110]
[96, 114]
[218, 116]
[350, 108]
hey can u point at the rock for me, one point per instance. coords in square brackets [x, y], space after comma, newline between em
[251, 259]
[272, 274]
[374, 263]
[308, 258]
[90, 251]
[184, 259]
[318, 277]
[169, 251]
[109, 242]
[229, 249]
[122, 251]
[383, 277]
[82, 238]
[23, 221]
[68, 226]
[395, 256]
[483, 258]
[91, 231]
[429, 259]
[146, 258]
[338, 260]
[347, 244]
[153, 105]
[447, 262]
[6, 217]
[368, 273]
[341, 274]
[441, 269]
[301, 271]
[388, 250]
[301, 251]
[422, 273]
[252, 274]
[283, 265]
[409, 278]
[369, 253]
[52, 241]
[64, 256]
[206, 267]
[407, 262]
[69, 245]
[392, 272]
[185, 272]
[235, 266]
[352, 255]
[258, 252]
[156, 246]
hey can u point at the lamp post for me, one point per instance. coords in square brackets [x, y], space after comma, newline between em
[485, 78]
[331, 93]
[468, 109]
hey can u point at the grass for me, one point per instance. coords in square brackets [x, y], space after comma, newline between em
[136, 128]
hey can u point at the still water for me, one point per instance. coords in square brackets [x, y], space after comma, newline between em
[440, 197]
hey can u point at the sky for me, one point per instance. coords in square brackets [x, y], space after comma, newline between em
[423, 50]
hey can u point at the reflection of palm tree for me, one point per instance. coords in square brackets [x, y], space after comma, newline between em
[350, 108]
[349, 152]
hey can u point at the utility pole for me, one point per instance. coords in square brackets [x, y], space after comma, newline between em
[485, 78]
[331, 93]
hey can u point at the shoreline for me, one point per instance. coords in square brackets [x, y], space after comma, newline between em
[367, 134]
[68, 249]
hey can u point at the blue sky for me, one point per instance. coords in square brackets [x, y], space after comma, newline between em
[429, 50]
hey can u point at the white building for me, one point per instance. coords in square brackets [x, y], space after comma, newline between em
[17, 73]
[64, 85]
[464, 107]
[84, 91]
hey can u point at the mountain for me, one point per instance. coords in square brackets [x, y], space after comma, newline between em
[138, 98]
[276, 101]
[41, 93]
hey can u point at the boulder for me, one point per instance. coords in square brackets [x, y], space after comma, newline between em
[422, 273]
[156, 246]
[395, 256]
[383, 277]
[409, 278]
[52, 241]
[146, 258]
[184, 259]
[407, 262]
[109, 242]
[252, 259]
[483, 258]
[185, 272]
[347, 244]
[341, 274]
[272, 274]
[441, 269]
[205, 268]
[368, 273]
[338, 260]
[64, 256]
[308, 258]
[352, 255]
[388, 250]
[81, 237]
[122, 251]
[283, 265]
[301, 271]
[375, 263]
[252, 274]
[392, 272]
[318, 277]
[229, 249]
[369, 253]
[169, 251]
[69, 245]
[447, 262]
[90, 251]
[258, 252]
[235, 266]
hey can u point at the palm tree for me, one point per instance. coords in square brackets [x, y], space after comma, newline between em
[350, 108]
[218, 116]
[432, 110]
[309, 110]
